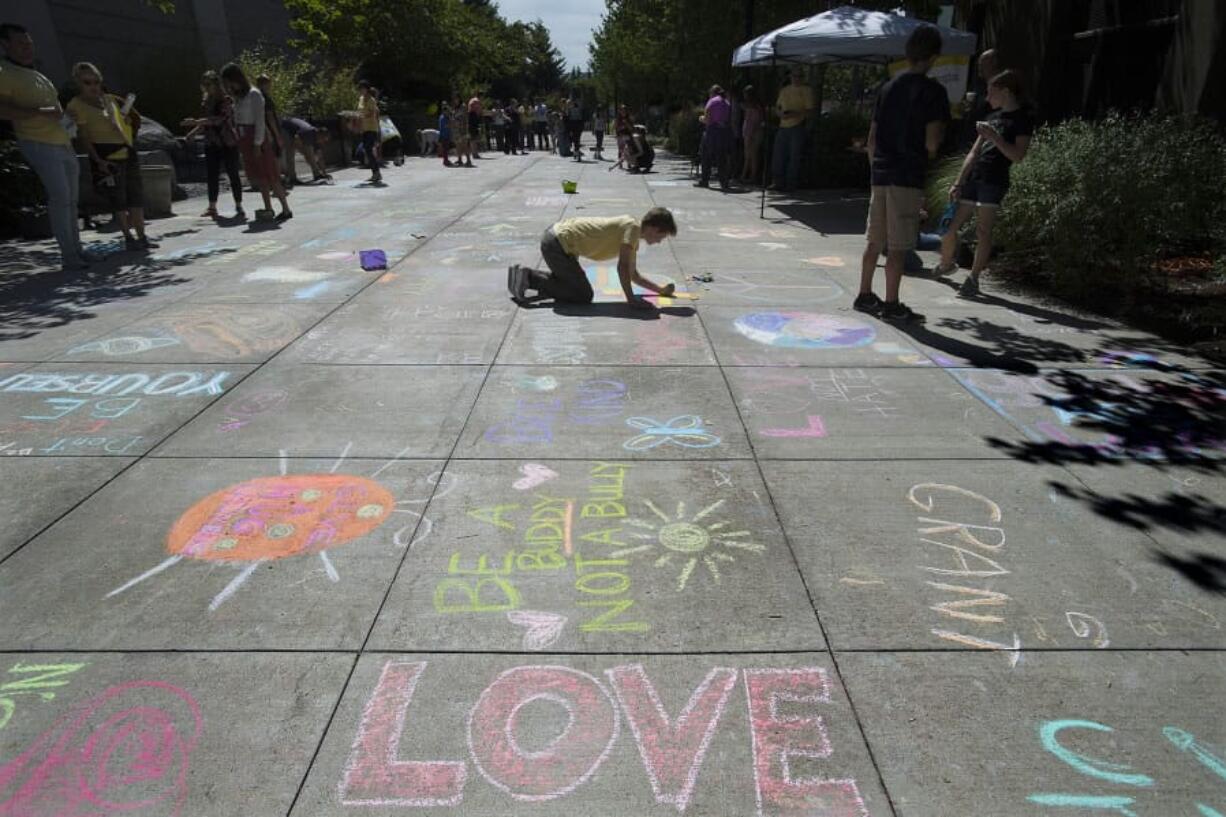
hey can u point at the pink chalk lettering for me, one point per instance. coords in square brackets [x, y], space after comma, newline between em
[374, 776]
[672, 751]
[569, 759]
[124, 751]
[777, 738]
[815, 428]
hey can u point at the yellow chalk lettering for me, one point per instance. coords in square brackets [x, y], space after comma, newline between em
[543, 559]
[604, 623]
[470, 596]
[493, 515]
[588, 584]
[606, 536]
[603, 510]
[482, 569]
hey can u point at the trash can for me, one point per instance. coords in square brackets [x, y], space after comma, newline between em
[156, 179]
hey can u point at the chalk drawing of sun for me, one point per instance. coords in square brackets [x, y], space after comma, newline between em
[680, 541]
[273, 518]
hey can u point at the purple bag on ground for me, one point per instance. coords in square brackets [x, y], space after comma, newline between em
[373, 259]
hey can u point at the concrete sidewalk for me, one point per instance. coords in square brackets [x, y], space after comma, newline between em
[287, 537]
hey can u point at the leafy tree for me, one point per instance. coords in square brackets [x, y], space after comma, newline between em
[429, 49]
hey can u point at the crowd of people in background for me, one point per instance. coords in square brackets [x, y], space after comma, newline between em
[240, 124]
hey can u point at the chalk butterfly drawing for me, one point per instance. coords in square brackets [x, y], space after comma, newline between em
[686, 431]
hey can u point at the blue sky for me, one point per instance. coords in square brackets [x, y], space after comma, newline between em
[570, 23]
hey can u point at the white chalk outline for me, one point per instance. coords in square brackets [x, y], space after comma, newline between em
[393, 749]
[680, 799]
[565, 790]
[849, 785]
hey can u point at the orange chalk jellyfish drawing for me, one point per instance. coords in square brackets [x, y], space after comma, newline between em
[272, 518]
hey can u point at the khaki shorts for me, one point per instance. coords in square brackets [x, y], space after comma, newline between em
[894, 217]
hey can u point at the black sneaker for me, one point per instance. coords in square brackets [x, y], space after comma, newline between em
[867, 302]
[898, 312]
[517, 283]
[969, 288]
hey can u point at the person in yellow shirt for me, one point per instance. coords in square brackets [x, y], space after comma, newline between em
[107, 135]
[794, 105]
[599, 239]
[28, 100]
[368, 126]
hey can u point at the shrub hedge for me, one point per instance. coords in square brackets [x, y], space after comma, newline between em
[1096, 203]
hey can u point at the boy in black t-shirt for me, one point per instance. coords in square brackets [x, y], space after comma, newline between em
[908, 126]
[1004, 138]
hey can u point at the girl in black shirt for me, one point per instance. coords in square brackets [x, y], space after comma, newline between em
[1004, 138]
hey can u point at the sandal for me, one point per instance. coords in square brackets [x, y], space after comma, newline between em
[209, 213]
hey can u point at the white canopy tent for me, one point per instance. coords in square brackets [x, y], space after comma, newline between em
[843, 34]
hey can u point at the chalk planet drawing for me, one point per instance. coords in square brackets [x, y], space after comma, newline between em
[275, 517]
[804, 330]
[272, 518]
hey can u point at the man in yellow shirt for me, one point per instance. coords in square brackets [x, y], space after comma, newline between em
[28, 99]
[794, 105]
[599, 239]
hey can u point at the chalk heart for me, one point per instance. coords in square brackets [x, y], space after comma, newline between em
[534, 474]
[542, 630]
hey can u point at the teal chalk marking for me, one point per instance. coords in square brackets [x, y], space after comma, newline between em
[1205, 811]
[1187, 742]
[1119, 804]
[1089, 766]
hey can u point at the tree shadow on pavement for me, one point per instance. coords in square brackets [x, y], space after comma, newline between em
[1170, 420]
[36, 296]
[1182, 513]
[1206, 571]
[955, 352]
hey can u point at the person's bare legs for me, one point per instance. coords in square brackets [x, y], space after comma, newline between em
[262, 185]
[949, 241]
[136, 216]
[278, 190]
[125, 223]
[868, 266]
[895, 261]
[985, 220]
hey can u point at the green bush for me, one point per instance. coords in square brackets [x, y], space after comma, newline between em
[1096, 203]
[684, 133]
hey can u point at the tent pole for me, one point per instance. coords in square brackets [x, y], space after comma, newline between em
[765, 129]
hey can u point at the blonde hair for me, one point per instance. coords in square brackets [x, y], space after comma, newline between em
[86, 68]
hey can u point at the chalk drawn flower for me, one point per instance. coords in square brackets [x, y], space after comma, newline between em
[272, 518]
[676, 539]
[125, 751]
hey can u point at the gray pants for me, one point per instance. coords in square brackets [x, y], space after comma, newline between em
[565, 281]
[57, 168]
